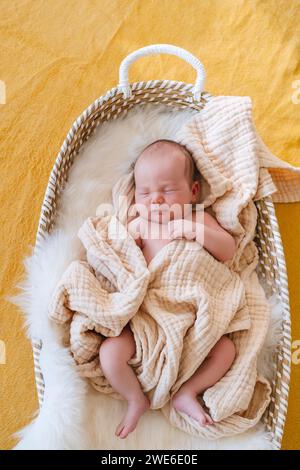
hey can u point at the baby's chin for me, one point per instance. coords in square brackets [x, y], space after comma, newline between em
[166, 215]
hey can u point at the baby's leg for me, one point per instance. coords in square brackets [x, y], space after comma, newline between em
[212, 369]
[114, 354]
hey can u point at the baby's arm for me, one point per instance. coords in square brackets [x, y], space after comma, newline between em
[217, 240]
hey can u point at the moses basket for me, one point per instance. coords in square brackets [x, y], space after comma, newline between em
[116, 103]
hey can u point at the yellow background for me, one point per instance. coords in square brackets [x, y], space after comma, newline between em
[58, 56]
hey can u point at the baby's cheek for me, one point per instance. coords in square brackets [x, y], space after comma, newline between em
[176, 207]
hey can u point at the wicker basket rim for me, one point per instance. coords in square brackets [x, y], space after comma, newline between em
[186, 92]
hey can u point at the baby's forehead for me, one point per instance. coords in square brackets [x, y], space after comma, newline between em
[163, 146]
[162, 153]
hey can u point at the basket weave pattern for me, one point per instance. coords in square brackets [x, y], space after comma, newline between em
[271, 256]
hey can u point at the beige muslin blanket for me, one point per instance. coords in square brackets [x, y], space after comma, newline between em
[184, 300]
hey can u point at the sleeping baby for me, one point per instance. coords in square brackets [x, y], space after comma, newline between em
[166, 190]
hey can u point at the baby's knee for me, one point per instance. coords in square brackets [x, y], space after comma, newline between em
[116, 350]
[224, 348]
[110, 349]
[228, 347]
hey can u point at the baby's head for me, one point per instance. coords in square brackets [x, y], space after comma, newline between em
[165, 175]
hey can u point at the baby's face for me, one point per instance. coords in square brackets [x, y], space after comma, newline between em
[161, 186]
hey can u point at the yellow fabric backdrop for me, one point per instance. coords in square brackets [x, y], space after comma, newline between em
[57, 56]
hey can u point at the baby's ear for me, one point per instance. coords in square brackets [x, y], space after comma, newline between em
[196, 189]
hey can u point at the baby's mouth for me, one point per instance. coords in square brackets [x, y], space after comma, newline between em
[159, 212]
[158, 208]
[161, 215]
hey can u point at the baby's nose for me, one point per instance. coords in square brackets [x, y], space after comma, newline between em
[157, 199]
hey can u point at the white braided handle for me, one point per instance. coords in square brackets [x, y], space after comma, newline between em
[153, 49]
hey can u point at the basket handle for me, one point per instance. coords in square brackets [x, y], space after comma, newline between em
[153, 49]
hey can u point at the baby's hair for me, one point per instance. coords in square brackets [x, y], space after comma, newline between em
[191, 171]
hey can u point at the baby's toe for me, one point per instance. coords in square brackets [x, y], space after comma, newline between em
[123, 433]
[119, 429]
[128, 428]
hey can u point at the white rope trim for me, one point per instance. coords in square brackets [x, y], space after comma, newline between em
[124, 85]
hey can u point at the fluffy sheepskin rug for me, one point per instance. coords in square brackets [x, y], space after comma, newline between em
[74, 415]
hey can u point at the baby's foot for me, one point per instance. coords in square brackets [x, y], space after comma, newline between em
[188, 403]
[135, 409]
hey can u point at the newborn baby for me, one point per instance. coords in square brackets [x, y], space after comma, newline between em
[166, 187]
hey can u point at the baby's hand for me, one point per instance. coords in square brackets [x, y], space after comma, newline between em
[182, 228]
[138, 239]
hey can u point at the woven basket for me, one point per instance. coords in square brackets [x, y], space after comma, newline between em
[271, 267]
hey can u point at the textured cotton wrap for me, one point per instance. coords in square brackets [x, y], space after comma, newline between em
[181, 304]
